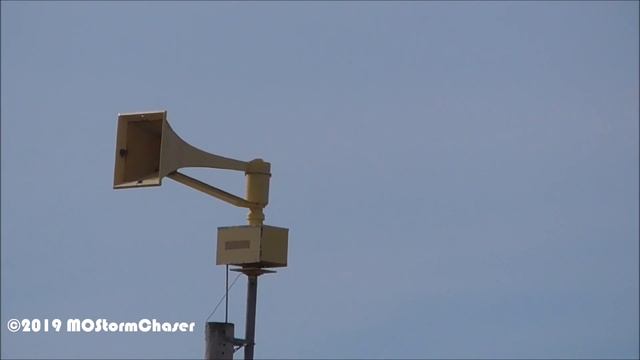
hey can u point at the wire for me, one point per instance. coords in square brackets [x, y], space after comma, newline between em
[223, 297]
[226, 298]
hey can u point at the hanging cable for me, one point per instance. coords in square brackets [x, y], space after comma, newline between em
[223, 297]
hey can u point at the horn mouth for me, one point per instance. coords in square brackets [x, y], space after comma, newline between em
[138, 146]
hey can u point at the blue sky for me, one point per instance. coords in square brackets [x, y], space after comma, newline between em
[460, 179]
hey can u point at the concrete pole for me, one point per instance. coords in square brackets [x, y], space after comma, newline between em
[219, 341]
[250, 328]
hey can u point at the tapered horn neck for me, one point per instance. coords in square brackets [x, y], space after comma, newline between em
[176, 153]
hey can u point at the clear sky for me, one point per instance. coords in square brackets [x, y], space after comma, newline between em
[460, 178]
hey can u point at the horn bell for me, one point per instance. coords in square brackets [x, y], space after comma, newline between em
[138, 144]
[147, 150]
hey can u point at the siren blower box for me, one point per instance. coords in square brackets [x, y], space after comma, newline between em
[259, 246]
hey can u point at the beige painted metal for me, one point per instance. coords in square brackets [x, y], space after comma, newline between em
[211, 190]
[147, 150]
[257, 174]
[261, 246]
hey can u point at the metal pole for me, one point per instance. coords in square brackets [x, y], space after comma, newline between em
[226, 295]
[250, 328]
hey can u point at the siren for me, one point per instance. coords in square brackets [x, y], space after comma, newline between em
[147, 150]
